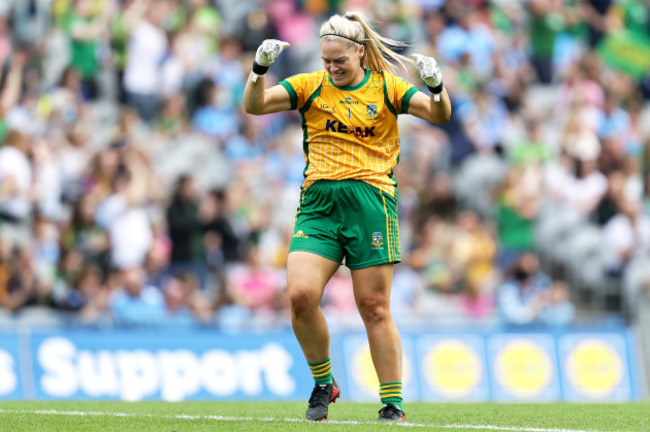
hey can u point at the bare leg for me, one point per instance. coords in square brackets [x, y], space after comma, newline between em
[372, 295]
[307, 275]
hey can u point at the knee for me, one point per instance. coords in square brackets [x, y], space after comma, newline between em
[373, 310]
[302, 301]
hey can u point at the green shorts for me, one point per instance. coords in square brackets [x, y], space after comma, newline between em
[347, 219]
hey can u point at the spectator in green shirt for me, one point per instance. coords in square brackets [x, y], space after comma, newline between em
[86, 31]
[534, 150]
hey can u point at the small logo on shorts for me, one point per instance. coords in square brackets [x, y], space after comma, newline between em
[377, 240]
[300, 234]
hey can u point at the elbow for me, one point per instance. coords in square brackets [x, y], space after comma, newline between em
[445, 116]
[251, 105]
[251, 109]
[441, 118]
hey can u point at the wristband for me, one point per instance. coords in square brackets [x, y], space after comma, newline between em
[259, 69]
[435, 90]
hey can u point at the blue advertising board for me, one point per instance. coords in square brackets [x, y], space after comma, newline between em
[171, 367]
[11, 385]
[595, 367]
[523, 367]
[452, 367]
[206, 365]
[360, 376]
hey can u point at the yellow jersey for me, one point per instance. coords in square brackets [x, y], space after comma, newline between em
[350, 132]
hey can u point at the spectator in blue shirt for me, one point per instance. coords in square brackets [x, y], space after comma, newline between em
[530, 298]
[135, 303]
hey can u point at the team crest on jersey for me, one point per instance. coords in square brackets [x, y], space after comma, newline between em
[372, 111]
[377, 239]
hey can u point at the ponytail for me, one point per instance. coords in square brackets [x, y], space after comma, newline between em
[379, 50]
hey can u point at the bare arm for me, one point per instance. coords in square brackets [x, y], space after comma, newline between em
[259, 100]
[427, 108]
[437, 107]
[11, 93]
[95, 28]
[135, 12]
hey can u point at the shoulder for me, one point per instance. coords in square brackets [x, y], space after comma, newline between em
[400, 88]
[617, 223]
[542, 281]
[118, 298]
[152, 295]
[392, 79]
[302, 86]
[306, 79]
[508, 286]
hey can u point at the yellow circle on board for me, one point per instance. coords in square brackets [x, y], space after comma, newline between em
[452, 368]
[363, 370]
[523, 368]
[594, 368]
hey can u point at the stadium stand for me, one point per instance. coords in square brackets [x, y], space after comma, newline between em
[106, 103]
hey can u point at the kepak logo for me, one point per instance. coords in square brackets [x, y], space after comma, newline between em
[358, 131]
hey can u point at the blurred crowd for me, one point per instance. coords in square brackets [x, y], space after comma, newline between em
[135, 191]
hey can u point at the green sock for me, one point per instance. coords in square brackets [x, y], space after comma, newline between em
[391, 393]
[322, 372]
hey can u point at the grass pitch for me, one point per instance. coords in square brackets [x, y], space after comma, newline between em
[344, 416]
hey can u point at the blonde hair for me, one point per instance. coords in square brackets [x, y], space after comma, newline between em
[353, 29]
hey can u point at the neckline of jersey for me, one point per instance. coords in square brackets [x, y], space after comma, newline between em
[354, 87]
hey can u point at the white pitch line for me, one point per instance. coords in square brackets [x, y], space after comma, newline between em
[290, 420]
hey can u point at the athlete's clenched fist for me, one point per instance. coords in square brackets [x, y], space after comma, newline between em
[429, 72]
[267, 53]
